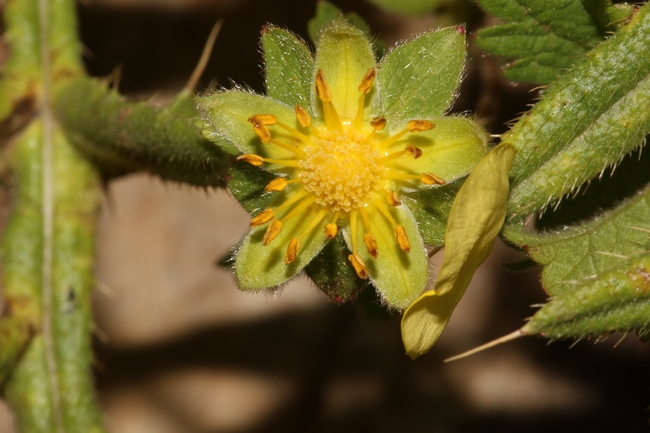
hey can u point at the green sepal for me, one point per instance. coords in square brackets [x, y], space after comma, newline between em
[226, 114]
[476, 217]
[450, 150]
[344, 54]
[586, 121]
[615, 301]
[288, 67]
[430, 208]
[332, 273]
[259, 267]
[246, 183]
[399, 277]
[419, 79]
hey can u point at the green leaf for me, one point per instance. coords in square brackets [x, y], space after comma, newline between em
[410, 7]
[585, 251]
[288, 67]
[398, 276]
[544, 37]
[344, 55]
[419, 79]
[259, 267]
[476, 217]
[586, 121]
[614, 301]
[332, 272]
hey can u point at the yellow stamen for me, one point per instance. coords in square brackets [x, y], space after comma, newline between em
[402, 239]
[301, 207]
[292, 251]
[411, 150]
[400, 232]
[430, 179]
[393, 199]
[371, 244]
[272, 231]
[332, 120]
[299, 135]
[364, 88]
[331, 230]
[302, 116]
[277, 184]
[262, 218]
[259, 122]
[358, 266]
[255, 160]
[285, 162]
[353, 230]
[265, 119]
[291, 148]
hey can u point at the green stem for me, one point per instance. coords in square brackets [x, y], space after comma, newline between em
[122, 137]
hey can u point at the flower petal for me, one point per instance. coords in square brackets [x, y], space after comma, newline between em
[450, 150]
[419, 79]
[259, 267]
[475, 219]
[226, 114]
[398, 276]
[288, 67]
[344, 55]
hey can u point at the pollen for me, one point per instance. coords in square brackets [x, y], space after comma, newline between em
[340, 169]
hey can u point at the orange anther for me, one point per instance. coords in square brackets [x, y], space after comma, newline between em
[302, 116]
[415, 151]
[331, 230]
[277, 184]
[371, 244]
[378, 123]
[260, 128]
[255, 160]
[272, 231]
[393, 199]
[358, 266]
[430, 179]
[420, 125]
[292, 251]
[366, 81]
[402, 239]
[263, 217]
[323, 90]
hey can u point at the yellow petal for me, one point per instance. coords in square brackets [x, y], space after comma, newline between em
[476, 217]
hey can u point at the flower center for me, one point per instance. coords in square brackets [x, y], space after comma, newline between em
[341, 169]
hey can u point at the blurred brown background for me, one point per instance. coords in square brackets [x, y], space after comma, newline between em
[180, 349]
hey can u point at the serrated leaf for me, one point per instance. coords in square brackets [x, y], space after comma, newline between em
[586, 121]
[544, 37]
[573, 255]
[614, 301]
[288, 67]
[476, 217]
[419, 79]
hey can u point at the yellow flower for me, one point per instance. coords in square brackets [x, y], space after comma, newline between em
[344, 150]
